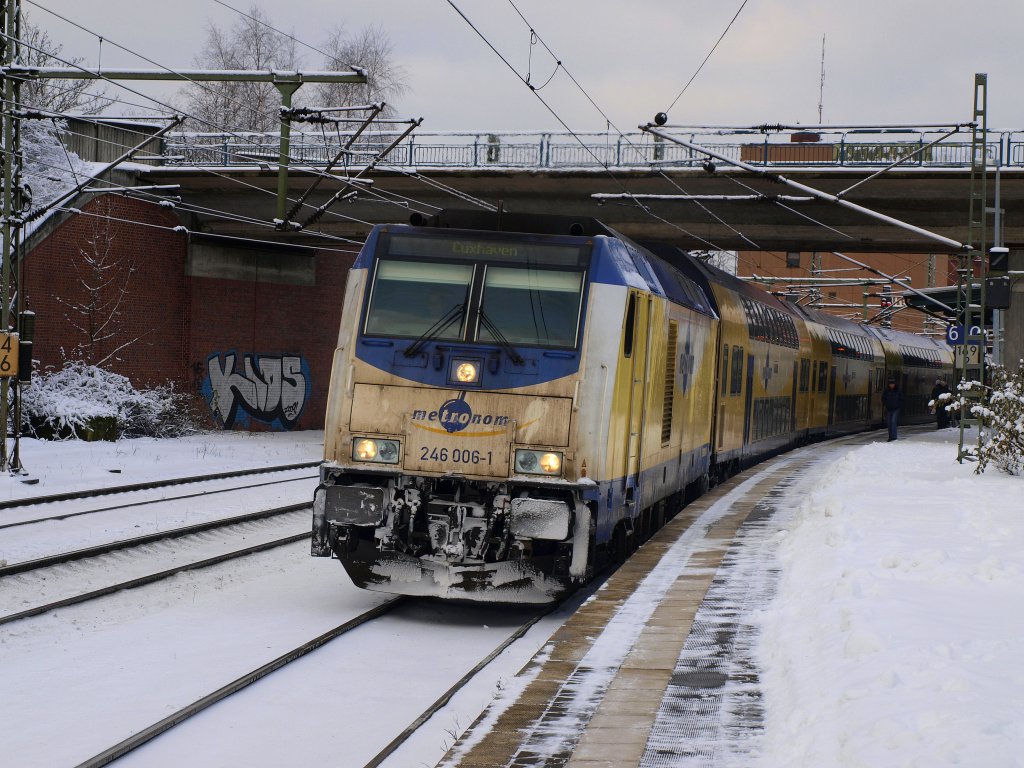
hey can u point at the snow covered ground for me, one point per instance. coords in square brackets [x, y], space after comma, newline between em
[895, 637]
[897, 634]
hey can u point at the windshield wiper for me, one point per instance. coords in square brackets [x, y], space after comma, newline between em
[492, 329]
[434, 331]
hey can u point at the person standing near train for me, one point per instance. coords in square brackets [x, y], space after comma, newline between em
[892, 401]
[940, 403]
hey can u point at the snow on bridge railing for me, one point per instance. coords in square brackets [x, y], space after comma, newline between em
[543, 149]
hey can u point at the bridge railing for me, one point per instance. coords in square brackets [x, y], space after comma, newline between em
[541, 150]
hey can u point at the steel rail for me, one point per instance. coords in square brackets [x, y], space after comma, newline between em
[149, 484]
[136, 740]
[151, 578]
[172, 533]
[442, 702]
[117, 507]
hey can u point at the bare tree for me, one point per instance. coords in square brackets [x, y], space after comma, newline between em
[104, 274]
[251, 44]
[370, 49]
[38, 50]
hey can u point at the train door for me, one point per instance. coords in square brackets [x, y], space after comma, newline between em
[638, 362]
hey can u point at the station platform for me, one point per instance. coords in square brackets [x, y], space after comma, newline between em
[637, 676]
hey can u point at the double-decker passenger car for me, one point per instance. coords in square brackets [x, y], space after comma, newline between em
[516, 399]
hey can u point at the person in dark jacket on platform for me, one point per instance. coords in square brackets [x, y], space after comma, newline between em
[941, 414]
[892, 401]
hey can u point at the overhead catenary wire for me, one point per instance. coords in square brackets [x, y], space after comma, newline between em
[777, 177]
[623, 136]
[713, 48]
[640, 205]
[376, 193]
[238, 135]
[169, 202]
[424, 178]
[212, 235]
[459, 194]
[224, 214]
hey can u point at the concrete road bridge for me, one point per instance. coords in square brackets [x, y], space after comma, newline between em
[645, 188]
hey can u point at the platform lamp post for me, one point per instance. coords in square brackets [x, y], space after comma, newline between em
[13, 74]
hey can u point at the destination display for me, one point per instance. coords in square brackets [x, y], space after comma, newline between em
[503, 250]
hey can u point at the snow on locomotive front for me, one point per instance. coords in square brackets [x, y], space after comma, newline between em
[450, 467]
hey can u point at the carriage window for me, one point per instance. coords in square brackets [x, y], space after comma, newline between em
[410, 298]
[736, 384]
[530, 306]
[822, 376]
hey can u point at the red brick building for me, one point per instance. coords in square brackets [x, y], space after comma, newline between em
[837, 295]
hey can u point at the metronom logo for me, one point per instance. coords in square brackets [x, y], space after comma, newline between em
[455, 415]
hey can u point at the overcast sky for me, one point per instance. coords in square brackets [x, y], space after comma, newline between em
[886, 61]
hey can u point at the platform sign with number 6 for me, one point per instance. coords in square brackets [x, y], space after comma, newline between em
[8, 355]
[955, 335]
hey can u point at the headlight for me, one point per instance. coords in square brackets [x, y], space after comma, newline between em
[463, 371]
[538, 462]
[373, 449]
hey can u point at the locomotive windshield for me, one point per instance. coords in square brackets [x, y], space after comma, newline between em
[410, 298]
[531, 306]
[501, 291]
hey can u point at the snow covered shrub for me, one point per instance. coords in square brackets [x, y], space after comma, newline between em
[1001, 411]
[85, 401]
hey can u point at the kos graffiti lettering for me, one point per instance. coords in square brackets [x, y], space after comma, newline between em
[270, 388]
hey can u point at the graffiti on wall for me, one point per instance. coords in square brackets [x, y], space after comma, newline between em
[269, 388]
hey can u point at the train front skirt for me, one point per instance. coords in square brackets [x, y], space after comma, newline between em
[509, 581]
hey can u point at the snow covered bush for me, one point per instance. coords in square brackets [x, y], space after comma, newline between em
[85, 401]
[1001, 411]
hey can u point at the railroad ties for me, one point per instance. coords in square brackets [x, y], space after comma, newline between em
[656, 668]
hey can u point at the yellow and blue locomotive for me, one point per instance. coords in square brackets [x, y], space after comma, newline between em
[516, 399]
[507, 406]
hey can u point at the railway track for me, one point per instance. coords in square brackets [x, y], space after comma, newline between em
[184, 713]
[67, 496]
[442, 701]
[62, 558]
[42, 564]
[107, 756]
[70, 496]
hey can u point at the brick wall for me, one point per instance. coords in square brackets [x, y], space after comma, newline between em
[138, 309]
[169, 321]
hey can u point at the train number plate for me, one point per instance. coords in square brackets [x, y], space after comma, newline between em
[465, 456]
